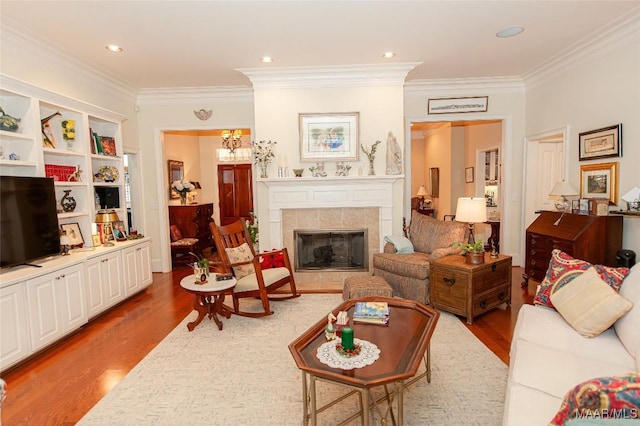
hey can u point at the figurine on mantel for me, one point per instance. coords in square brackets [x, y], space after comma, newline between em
[394, 156]
[342, 169]
[318, 170]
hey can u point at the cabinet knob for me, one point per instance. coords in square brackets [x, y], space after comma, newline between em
[533, 262]
[501, 295]
[494, 266]
[533, 242]
[483, 304]
[449, 281]
[533, 252]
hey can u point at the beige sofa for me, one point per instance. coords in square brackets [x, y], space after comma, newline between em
[549, 358]
[408, 273]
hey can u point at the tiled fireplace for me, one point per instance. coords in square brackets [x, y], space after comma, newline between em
[321, 204]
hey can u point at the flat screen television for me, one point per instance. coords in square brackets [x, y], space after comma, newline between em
[28, 220]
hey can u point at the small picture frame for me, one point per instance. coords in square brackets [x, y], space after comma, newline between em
[599, 181]
[73, 232]
[95, 239]
[601, 143]
[575, 206]
[584, 206]
[469, 175]
[119, 231]
[600, 206]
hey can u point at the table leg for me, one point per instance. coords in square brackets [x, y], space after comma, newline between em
[202, 307]
[365, 403]
[214, 308]
[305, 400]
[314, 414]
[400, 390]
[427, 356]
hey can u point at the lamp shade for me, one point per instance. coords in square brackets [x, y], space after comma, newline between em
[471, 210]
[563, 188]
[422, 191]
[104, 216]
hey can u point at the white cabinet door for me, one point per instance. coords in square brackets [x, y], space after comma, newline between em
[131, 274]
[112, 278]
[70, 290]
[143, 255]
[96, 294]
[56, 305]
[137, 267]
[45, 325]
[14, 326]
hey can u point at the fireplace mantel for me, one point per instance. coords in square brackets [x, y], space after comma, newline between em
[329, 192]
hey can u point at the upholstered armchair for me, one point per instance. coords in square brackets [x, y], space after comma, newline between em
[405, 262]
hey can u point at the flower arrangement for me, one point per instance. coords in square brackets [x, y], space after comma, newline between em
[263, 154]
[371, 155]
[182, 187]
[477, 247]
[252, 227]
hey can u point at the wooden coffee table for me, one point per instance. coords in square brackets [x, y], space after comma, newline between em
[208, 298]
[403, 345]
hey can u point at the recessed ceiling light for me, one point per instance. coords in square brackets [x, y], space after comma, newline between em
[509, 32]
[388, 55]
[113, 48]
[266, 59]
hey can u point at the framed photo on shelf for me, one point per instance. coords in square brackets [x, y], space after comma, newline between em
[599, 181]
[73, 232]
[331, 136]
[118, 231]
[601, 143]
[468, 175]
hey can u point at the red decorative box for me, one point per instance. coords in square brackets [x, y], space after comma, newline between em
[58, 173]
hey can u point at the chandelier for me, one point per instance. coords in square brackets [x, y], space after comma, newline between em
[232, 139]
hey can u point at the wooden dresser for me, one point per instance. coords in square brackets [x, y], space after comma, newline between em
[595, 239]
[469, 290]
[193, 221]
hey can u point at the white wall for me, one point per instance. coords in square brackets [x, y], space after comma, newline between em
[276, 115]
[601, 90]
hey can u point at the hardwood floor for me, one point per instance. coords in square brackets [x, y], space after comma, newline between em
[58, 386]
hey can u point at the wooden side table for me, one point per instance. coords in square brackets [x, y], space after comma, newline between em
[470, 290]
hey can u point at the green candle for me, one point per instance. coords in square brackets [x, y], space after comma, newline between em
[347, 338]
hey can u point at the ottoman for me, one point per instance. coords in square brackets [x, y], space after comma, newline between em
[357, 287]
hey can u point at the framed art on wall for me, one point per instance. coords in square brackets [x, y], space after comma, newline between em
[331, 136]
[468, 175]
[601, 143]
[434, 182]
[176, 172]
[599, 181]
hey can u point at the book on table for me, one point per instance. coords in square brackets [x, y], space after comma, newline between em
[371, 312]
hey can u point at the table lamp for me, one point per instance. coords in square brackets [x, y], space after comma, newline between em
[107, 217]
[64, 243]
[471, 210]
[563, 189]
[422, 191]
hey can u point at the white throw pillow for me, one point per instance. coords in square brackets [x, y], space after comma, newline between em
[588, 304]
[241, 254]
[628, 327]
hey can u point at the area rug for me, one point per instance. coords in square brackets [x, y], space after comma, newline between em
[245, 375]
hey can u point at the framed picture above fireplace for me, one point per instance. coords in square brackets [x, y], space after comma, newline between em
[330, 136]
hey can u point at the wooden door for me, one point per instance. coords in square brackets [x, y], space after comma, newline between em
[235, 191]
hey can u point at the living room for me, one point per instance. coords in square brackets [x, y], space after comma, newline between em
[591, 85]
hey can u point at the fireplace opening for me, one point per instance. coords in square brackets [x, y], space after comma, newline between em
[335, 250]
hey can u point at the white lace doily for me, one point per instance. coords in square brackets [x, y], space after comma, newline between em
[327, 354]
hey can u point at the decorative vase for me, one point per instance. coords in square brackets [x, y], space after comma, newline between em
[372, 170]
[474, 258]
[67, 202]
[263, 170]
[183, 199]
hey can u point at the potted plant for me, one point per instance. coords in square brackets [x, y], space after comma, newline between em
[473, 252]
[200, 268]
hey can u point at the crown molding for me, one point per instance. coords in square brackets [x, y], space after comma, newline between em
[463, 86]
[329, 76]
[33, 43]
[614, 35]
[188, 95]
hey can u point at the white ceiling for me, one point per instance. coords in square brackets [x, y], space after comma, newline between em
[203, 43]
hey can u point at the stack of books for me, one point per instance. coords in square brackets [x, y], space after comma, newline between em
[371, 313]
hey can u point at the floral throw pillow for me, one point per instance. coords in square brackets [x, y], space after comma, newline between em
[616, 397]
[241, 254]
[563, 268]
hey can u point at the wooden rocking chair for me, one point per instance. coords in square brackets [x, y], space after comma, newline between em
[238, 257]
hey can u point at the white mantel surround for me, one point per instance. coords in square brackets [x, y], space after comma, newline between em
[329, 192]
